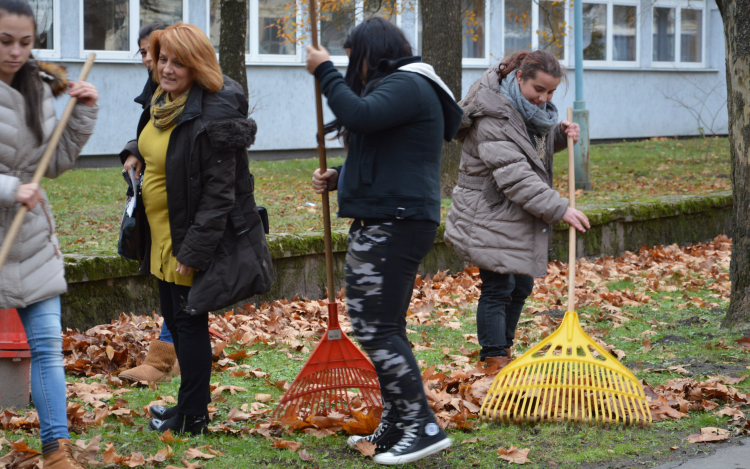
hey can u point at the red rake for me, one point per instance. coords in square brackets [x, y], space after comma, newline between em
[336, 365]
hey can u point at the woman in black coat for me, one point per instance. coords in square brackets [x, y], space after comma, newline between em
[394, 113]
[204, 240]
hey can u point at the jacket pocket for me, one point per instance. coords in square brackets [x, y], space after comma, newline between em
[366, 165]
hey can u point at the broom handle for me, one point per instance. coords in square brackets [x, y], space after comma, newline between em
[41, 169]
[572, 233]
[323, 166]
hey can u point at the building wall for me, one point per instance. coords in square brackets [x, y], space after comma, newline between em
[623, 103]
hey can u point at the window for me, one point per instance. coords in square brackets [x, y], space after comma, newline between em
[552, 27]
[609, 34]
[335, 26]
[271, 30]
[160, 11]
[111, 27]
[47, 14]
[517, 24]
[474, 29]
[275, 37]
[624, 26]
[678, 34]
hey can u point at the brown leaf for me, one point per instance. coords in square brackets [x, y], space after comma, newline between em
[514, 455]
[193, 453]
[366, 448]
[709, 434]
[319, 432]
[263, 397]
[88, 452]
[135, 460]
[286, 444]
[305, 456]
[188, 465]
[646, 344]
[236, 415]
[110, 457]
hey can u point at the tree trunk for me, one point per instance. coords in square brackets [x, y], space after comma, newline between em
[232, 39]
[736, 15]
[442, 48]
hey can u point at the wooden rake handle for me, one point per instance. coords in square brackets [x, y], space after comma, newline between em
[322, 163]
[41, 169]
[572, 232]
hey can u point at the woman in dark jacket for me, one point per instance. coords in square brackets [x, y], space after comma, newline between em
[394, 112]
[205, 241]
[161, 357]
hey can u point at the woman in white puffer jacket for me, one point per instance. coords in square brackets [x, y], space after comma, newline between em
[33, 276]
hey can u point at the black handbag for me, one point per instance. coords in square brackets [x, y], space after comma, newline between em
[131, 244]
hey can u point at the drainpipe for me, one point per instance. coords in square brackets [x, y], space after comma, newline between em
[580, 113]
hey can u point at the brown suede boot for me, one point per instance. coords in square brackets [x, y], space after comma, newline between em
[157, 366]
[59, 455]
[495, 364]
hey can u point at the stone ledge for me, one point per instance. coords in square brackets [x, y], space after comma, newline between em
[102, 286]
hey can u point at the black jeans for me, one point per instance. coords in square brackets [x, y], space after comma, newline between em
[193, 347]
[499, 309]
[382, 259]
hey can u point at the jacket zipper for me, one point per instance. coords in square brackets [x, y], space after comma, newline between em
[51, 229]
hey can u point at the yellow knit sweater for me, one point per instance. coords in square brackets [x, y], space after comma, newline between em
[153, 145]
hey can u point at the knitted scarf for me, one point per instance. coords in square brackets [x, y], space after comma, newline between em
[538, 119]
[166, 113]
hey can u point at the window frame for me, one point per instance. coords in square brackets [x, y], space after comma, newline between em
[609, 62]
[481, 61]
[53, 53]
[359, 17]
[255, 57]
[678, 6]
[134, 26]
[534, 27]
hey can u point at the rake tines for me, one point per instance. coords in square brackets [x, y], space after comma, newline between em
[551, 383]
[334, 368]
[326, 391]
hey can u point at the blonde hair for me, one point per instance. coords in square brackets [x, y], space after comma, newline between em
[193, 49]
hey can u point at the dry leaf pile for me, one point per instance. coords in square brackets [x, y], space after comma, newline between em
[675, 398]
[455, 388]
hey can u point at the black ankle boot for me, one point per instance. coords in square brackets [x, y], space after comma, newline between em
[161, 412]
[180, 424]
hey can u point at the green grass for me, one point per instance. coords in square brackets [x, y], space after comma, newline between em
[88, 203]
[560, 446]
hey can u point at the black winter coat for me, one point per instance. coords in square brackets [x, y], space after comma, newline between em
[214, 222]
[392, 168]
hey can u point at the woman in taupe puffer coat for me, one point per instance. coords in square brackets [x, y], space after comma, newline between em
[504, 205]
[33, 277]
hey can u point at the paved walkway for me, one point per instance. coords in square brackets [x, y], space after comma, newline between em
[733, 457]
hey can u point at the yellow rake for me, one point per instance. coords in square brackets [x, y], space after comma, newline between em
[567, 376]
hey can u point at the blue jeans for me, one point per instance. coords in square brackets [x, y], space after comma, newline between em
[499, 309]
[165, 336]
[42, 324]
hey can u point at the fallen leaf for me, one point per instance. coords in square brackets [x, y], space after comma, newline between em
[305, 456]
[193, 453]
[709, 434]
[366, 448]
[286, 444]
[514, 455]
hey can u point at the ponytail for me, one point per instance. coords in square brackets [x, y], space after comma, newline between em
[529, 63]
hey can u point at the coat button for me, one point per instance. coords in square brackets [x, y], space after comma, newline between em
[544, 230]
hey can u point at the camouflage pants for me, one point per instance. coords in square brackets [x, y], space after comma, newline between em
[381, 262]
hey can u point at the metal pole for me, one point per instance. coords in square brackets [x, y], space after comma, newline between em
[580, 113]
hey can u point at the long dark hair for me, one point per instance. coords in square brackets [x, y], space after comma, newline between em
[146, 31]
[370, 42]
[27, 80]
[530, 63]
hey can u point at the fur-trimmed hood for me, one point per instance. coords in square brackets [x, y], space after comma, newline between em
[230, 134]
[56, 76]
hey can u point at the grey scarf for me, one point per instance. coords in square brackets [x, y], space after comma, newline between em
[538, 119]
